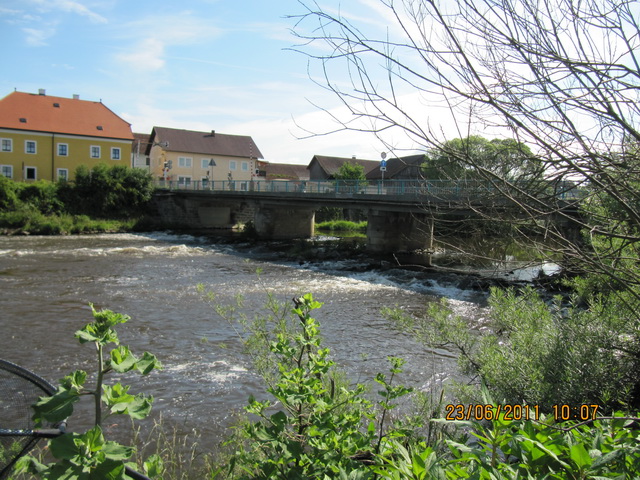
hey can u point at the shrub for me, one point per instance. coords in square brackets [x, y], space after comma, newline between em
[8, 197]
[539, 353]
[42, 195]
[316, 426]
[112, 192]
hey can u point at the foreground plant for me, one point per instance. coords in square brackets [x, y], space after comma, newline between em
[316, 426]
[89, 455]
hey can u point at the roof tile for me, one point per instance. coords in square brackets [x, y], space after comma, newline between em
[206, 143]
[43, 113]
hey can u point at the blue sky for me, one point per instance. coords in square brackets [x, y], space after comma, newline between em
[196, 64]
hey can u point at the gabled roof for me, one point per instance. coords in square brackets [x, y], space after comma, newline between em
[286, 171]
[396, 165]
[331, 165]
[72, 116]
[205, 143]
[140, 140]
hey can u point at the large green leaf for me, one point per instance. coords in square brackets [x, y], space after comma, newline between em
[55, 408]
[122, 360]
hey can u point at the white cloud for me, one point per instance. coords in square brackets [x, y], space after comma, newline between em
[38, 37]
[67, 6]
[149, 38]
[147, 56]
[77, 8]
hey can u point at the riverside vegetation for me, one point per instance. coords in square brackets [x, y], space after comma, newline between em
[89, 455]
[316, 425]
[101, 199]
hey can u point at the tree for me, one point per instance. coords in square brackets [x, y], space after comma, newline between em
[350, 171]
[506, 158]
[561, 76]
[116, 191]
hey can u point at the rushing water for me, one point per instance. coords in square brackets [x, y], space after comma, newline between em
[48, 282]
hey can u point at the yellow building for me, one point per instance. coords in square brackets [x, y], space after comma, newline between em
[44, 137]
[191, 158]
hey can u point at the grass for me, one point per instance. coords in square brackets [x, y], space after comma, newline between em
[36, 223]
[182, 455]
[342, 226]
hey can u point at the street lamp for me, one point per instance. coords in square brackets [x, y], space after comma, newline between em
[212, 163]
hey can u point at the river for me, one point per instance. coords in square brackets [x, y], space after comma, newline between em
[47, 284]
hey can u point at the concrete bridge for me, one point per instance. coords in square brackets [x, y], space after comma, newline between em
[400, 213]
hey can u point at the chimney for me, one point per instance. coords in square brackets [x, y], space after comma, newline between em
[42, 91]
[76, 96]
[353, 157]
[213, 133]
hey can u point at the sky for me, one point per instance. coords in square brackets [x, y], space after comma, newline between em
[222, 65]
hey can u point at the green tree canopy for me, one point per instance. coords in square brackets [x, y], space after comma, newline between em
[117, 191]
[350, 171]
[475, 155]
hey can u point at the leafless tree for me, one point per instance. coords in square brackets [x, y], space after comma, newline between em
[561, 76]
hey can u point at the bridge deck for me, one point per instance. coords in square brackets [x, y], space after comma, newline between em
[401, 190]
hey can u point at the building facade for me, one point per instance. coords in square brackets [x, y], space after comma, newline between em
[187, 156]
[45, 137]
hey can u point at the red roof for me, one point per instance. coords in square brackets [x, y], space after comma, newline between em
[43, 113]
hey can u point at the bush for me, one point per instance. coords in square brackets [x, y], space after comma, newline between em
[8, 197]
[316, 426]
[42, 195]
[111, 192]
[539, 353]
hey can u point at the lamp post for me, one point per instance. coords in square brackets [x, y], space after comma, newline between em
[212, 163]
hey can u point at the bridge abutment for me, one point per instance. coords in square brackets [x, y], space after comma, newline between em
[398, 231]
[277, 222]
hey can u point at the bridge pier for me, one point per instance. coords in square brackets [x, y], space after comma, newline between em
[276, 222]
[391, 232]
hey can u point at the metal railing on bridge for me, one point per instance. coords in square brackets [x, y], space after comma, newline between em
[450, 189]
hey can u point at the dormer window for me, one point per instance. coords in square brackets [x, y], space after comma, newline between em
[56, 105]
[23, 120]
[99, 127]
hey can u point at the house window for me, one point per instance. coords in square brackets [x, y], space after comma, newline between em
[204, 163]
[62, 174]
[63, 149]
[184, 181]
[30, 146]
[184, 162]
[245, 166]
[6, 170]
[30, 173]
[7, 145]
[95, 151]
[232, 165]
[115, 153]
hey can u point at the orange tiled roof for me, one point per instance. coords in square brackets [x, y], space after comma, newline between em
[43, 113]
